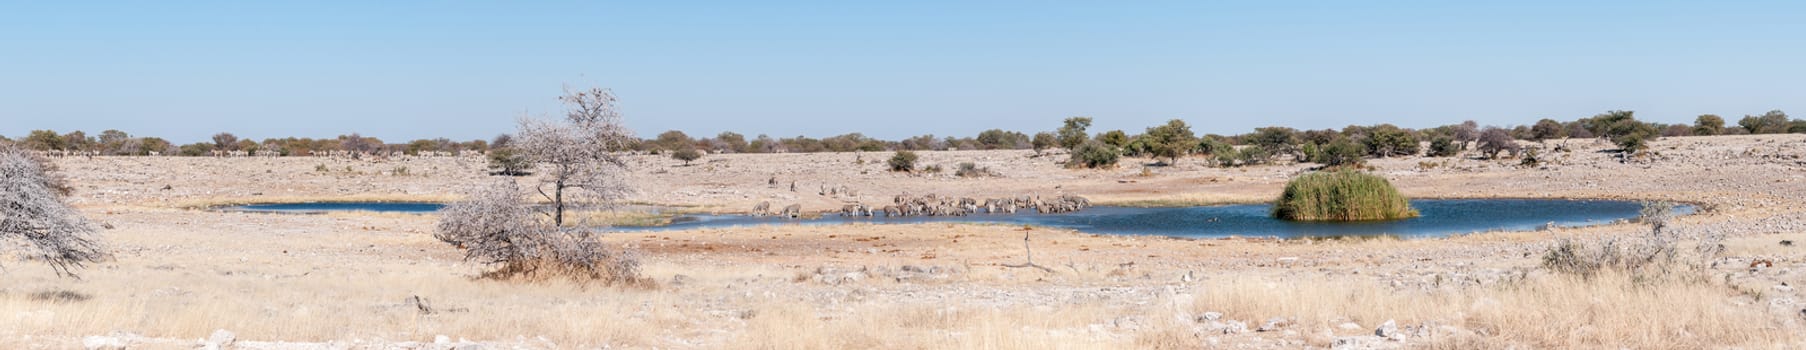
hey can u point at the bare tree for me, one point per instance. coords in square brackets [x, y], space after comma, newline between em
[582, 169]
[1494, 140]
[358, 144]
[225, 141]
[32, 210]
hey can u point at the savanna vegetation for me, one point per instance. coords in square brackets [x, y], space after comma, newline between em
[1166, 144]
[581, 172]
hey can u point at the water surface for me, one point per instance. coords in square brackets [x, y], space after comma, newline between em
[1441, 217]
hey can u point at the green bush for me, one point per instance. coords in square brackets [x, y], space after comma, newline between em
[196, 149]
[1386, 140]
[1340, 152]
[1043, 141]
[904, 161]
[1093, 154]
[507, 161]
[1341, 195]
[1072, 134]
[687, 155]
[1444, 146]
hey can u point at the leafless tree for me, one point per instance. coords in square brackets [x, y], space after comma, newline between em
[1497, 140]
[582, 169]
[496, 227]
[358, 144]
[32, 210]
[225, 141]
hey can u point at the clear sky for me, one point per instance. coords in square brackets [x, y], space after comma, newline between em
[401, 70]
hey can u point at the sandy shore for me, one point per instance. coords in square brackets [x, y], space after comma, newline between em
[350, 280]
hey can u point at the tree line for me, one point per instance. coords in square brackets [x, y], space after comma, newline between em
[120, 143]
[1169, 141]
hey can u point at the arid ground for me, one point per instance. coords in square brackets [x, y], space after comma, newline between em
[180, 272]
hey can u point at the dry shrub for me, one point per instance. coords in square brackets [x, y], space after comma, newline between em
[1658, 255]
[969, 169]
[496, 227]
[32, 212]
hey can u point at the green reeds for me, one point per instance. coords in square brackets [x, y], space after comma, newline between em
[1341, 195]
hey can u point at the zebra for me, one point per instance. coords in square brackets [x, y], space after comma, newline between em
[762, 209]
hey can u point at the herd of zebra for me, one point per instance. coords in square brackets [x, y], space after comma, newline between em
[935, 205]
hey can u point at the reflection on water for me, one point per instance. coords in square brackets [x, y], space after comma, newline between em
[1441, 217]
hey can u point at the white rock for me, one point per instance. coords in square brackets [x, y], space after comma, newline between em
[96, 342]
[222, 338]
[1235, 327]
[1389, 330]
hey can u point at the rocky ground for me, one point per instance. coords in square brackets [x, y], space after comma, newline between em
[275, 281]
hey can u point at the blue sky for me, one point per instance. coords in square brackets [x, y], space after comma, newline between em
[402, 70]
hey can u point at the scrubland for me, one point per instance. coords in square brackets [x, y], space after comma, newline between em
[356, 280]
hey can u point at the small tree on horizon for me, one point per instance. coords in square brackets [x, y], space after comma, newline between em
[1623, 129]
[225, 141]
[1044, 140]
[687, 154]
[1073, 133]
[1340, 152]
[1170, 141]
[504, 159]
[43, 140]
[1274, 140]
[1546, 129]
[1708, 124]
[1495, 140]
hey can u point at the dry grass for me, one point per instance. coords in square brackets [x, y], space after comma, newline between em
[624, 217]
[1542, 311]
[314, 307]
[791, 326]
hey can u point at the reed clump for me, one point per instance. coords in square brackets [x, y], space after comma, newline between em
[1341, 195]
